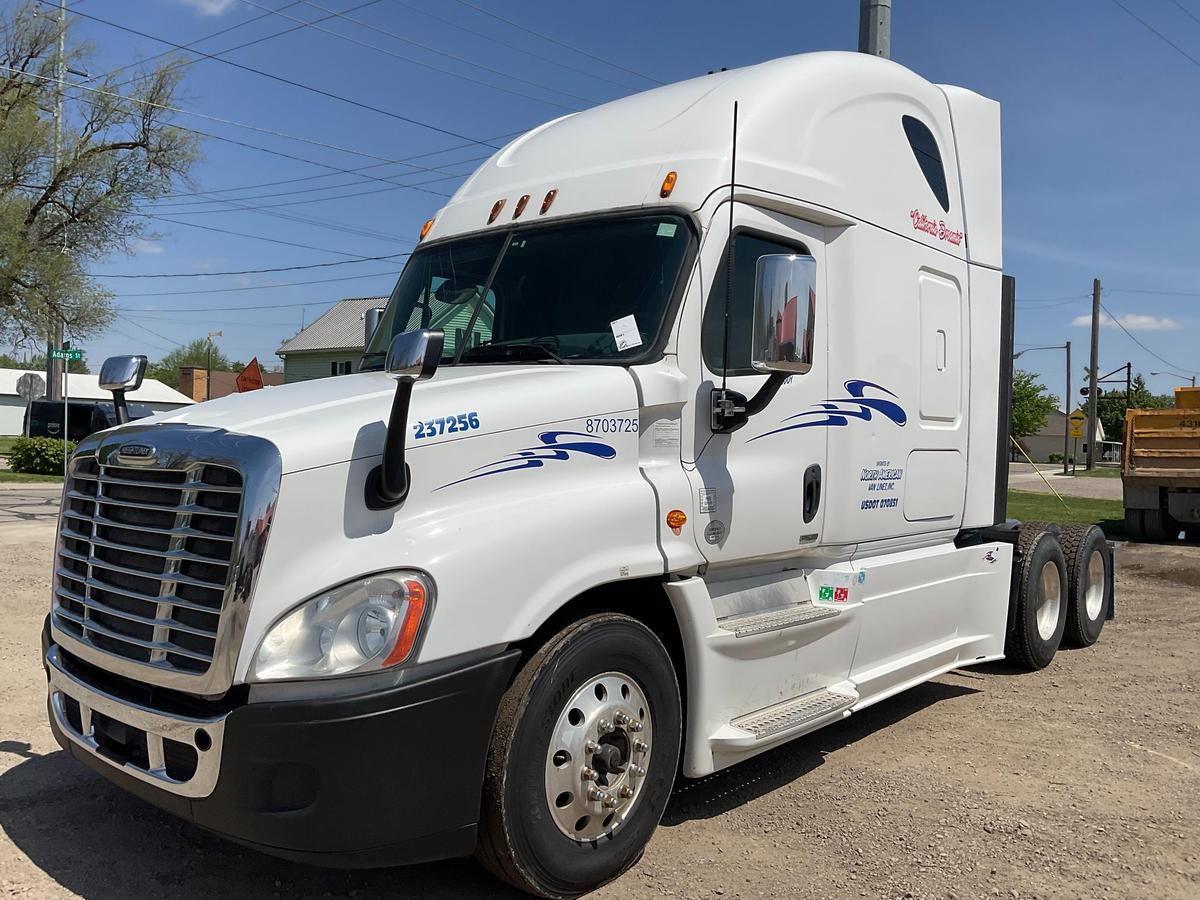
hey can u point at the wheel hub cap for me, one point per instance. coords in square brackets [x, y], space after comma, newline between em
[1049, 601]
[598, 756]
[1094, 593]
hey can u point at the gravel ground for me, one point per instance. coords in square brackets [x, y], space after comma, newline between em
[1079, 781]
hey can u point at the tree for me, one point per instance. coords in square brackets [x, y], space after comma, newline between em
[1111, 406]
[37, 363]
[118, 151]
[194, 353]
[1031, 404]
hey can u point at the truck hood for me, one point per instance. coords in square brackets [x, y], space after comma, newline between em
[333, 420]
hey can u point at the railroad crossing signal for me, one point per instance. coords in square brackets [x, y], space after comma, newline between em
[1078, 420]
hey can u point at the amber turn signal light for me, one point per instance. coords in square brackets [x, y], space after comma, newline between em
[496, 207]
[668, 185]
[676, 519]
[550, 195]
[425, 229]
[521, 205]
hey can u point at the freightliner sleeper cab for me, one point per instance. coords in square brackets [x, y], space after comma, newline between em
[662, 455]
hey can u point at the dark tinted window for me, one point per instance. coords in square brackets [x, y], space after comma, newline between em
[929, 158]
[747, 248]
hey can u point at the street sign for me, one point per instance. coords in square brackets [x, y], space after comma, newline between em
[66, 354]
[250, 378]
[31, 387]
[1078, 420]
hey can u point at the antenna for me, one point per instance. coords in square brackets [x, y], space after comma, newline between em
[729, 254]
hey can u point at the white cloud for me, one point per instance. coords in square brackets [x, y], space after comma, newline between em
[1131, 321]
[142, 247]
[209, 7]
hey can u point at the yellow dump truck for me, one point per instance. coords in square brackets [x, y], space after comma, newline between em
[1160, 469]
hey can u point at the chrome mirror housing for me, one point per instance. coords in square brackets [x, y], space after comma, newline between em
[414, 355]
[785, 301]
[122, 373]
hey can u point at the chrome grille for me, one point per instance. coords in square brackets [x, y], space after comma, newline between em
[146, 560]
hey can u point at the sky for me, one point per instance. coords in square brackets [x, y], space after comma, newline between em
[1099, 144]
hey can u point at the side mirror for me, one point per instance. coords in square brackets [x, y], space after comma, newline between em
[120, 374]
[413, 356]
[371, 320]
[785, 312]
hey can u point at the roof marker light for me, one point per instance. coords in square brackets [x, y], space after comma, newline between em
[668, 185]
[521, 205]
[425, 229]
[496, 207]
[550, 195]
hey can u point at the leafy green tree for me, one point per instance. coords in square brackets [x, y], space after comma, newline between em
[118, 151]
[1111, 406]
[194, 353]
[38, 364]
[1031, 404]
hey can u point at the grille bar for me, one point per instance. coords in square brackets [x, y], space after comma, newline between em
[146, 560]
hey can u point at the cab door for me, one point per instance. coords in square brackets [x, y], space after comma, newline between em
[757, 492]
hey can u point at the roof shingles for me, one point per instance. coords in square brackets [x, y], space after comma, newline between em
[341, 328]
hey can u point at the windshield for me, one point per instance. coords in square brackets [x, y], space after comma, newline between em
[595, 291]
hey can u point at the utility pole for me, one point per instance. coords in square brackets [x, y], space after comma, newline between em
[1094, 376]
[208, 377]
[1067, 413]
[875, 27]
[54, 367]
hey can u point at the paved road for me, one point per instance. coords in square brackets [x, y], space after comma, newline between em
[22, 503]
[1023, 477]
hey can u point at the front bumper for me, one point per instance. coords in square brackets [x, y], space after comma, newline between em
[375, 779]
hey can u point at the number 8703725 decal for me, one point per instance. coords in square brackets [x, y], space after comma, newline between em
[446, 425]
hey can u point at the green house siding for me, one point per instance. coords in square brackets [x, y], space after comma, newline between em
[305, 365]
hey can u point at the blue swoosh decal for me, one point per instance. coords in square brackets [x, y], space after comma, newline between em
[837, 412]
[550, 450]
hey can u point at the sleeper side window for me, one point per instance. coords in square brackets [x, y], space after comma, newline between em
[747, 248]
[929, 158]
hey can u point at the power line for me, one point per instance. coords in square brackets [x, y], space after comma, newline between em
[256, 237]
[129, 321]
[1156, 293]
[1166, 362]
[320, 265]
[1187, 12]
[553, 40]
[492, 39]
[255, 287]
[1057, 301]
[282, 80]
[1193, 60]
[239, 307]
[399, 37]
[425, 65]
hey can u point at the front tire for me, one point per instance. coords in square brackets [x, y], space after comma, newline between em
[1040, 614]
[583, 758]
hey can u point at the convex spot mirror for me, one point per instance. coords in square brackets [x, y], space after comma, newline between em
[785, 301]
[414, 355]
[122, 373]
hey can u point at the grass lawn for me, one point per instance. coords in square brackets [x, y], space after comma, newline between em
[6, 445]
[1108, 514]
[1098, 472]
[7, 477]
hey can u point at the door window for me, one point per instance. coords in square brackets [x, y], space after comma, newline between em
[747, 248]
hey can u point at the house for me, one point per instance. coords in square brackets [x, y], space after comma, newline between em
[1049, 439]
[331, 345]
[154, 394]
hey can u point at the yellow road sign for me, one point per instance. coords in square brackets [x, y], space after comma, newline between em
[1078, 423]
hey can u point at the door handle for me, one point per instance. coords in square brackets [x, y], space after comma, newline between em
[812, 492]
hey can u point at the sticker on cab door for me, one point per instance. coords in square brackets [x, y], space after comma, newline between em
[832, 587]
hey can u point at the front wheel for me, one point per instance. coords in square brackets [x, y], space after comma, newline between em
[582, 760]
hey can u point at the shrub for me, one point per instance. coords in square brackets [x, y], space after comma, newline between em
[1058, 457]
[38, 456]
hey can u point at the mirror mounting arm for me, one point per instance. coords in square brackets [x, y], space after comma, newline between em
[731, 410]
[120, 407]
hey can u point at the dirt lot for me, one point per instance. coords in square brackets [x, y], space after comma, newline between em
[1079, 781]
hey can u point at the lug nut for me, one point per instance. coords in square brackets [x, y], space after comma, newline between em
[634, 725]
[621, 719]
[610, 802]
[604, 726]
[591, 746]
[625, 791]
[594, 793]
[640, 746]
[636, 770]
[587, 774]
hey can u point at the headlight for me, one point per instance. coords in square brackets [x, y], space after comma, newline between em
[370, 623]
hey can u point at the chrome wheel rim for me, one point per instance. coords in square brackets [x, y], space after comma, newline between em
[1049, 601]
[1094, 586]
[598, 756]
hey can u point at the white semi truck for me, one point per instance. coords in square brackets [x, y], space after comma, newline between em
[665, 453]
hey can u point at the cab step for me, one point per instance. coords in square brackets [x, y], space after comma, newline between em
[777, 619]
[791, 717]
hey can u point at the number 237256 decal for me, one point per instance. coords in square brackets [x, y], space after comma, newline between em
[445, 425]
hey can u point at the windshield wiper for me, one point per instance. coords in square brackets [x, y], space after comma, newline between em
[532, 350]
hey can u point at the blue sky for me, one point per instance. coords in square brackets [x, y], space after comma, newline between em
[1100, 138]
